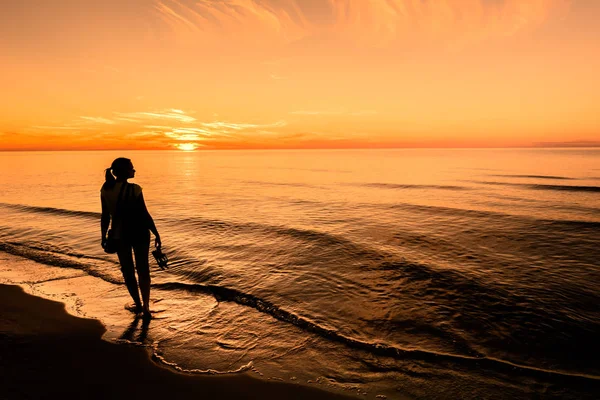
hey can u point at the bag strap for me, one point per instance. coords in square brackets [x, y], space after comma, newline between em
[118, 208]
[129, 190]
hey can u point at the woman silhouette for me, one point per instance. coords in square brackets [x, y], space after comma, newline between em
[123, 202]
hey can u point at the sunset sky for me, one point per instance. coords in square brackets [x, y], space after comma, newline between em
[223, 74]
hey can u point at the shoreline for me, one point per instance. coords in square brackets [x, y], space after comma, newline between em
[47, 353]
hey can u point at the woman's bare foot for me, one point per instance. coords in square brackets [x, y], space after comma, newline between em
[146, 313]
[134, 308]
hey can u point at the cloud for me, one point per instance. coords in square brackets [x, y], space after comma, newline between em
[144, 134]
[99, 120]
[167, 127]
[123, 119]
[230, 126]
[67, 129]
[213, 131]
[120, 118]
[285, 18]
[62, 128]
[371, 22]
[174, 14]
[172, 114]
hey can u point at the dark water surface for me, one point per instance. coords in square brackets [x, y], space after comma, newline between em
[417, 273]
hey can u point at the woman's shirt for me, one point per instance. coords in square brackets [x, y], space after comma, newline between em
[110, 196]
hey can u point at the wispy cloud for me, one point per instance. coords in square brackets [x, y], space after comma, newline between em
[60, 128]
[144, 134]
[99, 120]
[173, 127]
[123, 119]
[182, 130]
[215, 131]
[141, 117]
[285, 18]
[172, 114]
[377, 22]
[177, 14]
[229, 126]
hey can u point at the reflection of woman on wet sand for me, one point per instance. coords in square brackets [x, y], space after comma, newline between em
[131, 226]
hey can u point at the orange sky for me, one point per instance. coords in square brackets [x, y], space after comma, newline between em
[219, 74]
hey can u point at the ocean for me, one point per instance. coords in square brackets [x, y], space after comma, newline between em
[408, 273]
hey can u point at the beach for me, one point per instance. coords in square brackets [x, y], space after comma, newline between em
[47, 353]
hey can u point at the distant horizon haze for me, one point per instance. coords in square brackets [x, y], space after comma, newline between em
[590, 145]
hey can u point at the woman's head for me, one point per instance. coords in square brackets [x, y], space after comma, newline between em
[122, 168]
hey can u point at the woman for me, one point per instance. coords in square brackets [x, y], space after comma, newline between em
[123, 202]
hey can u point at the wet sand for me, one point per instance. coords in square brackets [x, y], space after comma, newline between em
[47, 353]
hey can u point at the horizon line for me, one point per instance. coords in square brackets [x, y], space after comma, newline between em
[315, 148]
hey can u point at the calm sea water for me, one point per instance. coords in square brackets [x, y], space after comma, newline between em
[417, 273]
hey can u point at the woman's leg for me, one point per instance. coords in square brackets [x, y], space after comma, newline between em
[127, 268]
[141, 250]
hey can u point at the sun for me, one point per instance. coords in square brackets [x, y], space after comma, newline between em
[186, 146]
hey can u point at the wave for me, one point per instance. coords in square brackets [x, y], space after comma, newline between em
[534, 177]
[475, 359]
[358, 250]
[537, 205]
[344, 171]
[327, 238]
[158, 357]
[55, 250]
[589, 189]
[345, 247]
[273, 167]
[471, 357]
[52, 210]
[319, 238]
[490, 215]
[287, 184]
[306, 235]
[537, 186]
[56, 259]
[411, 186]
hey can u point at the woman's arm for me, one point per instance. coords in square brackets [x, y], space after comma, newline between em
[149, 221]
[104, 220]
